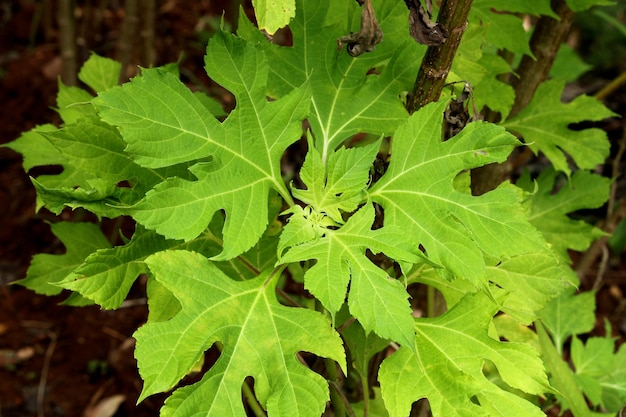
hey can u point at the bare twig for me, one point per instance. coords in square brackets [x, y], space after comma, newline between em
[43, 379]
[611, 87]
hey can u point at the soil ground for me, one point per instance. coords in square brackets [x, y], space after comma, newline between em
[57, 360]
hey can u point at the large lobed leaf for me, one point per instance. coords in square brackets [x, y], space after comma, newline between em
[549, 210]
[447, 367]
[544, 124]
[237, 160]
[260, 338]
[346, 96]
[455, 228]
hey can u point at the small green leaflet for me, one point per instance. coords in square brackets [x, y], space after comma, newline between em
[260, 338]
[339, 184]
[549, 210]
[561, 375]
[379, 302]
[544, 125]
[237, 160]
[504, 30]
[447, 367]
[100, 73]
[455, 228]
[568, 315]
[46, 270]
[601, 371]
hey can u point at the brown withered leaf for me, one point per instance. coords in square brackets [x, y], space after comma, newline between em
[421, 28]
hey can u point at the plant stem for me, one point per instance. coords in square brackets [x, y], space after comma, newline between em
[544, 44]
[430, 301]
[129, 30]
[366, 396]
[335, 397]
[438, 59]
[611, 87]
[67, 38]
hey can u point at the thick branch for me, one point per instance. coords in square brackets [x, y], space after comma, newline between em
[127, 38]
[544, 44]
[148, 17]
[438, 59]
[67, 28]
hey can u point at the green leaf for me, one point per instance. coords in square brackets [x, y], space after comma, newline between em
[73, 103]
[36, 149]
[580, 5]
[244, 150]
[504, 31]
[346, 97]
[531, 281]
[568, 65]
[339, 184]
[273, 15]
[562, 376]
[568, 315]
[100, 73]
[260, 338]
[447, 367]
[376, 406]
[362, 346]
[376, 300]
[533, 7]
[544, 125]
[455, 228]
[46, 271]
[107, 275]
[549, 210]
[600, 371]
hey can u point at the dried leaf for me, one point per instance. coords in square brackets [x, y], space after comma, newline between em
[106, 407]
[421, 28]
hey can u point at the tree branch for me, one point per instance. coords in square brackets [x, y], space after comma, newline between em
[438, 59]
[544, 44]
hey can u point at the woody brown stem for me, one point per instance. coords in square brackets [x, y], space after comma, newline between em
[437, 62]
[545, 42]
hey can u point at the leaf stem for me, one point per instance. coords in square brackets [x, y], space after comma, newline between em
[336, 396]
[366, 396]
[430, 301]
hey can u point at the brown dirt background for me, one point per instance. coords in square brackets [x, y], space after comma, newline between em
[60, 361]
